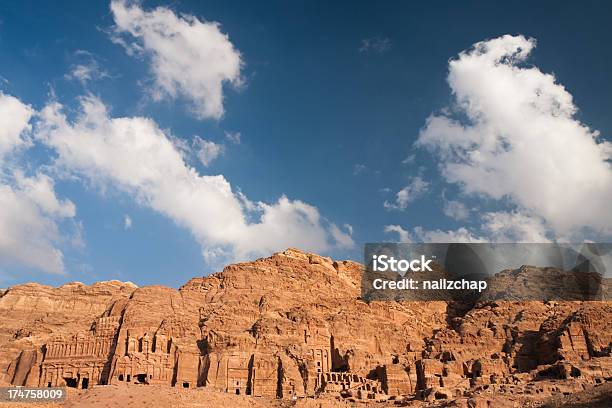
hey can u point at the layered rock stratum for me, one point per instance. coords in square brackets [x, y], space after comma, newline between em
[293, 327]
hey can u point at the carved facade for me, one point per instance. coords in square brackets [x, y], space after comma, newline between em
[108, 354]
[349, 384]
[144, 360]
[244, 373]
[83, 359]
[101, 356]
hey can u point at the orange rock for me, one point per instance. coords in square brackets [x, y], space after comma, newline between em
[294, 325]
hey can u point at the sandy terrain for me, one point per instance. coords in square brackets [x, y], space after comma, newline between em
[150, 396]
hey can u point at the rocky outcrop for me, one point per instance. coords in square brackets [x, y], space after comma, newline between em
[533, 283]
[32, 314]
[294, 325]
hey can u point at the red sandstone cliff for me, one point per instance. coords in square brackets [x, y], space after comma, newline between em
[294, 325]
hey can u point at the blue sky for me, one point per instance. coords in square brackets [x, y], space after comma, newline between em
[329, 99]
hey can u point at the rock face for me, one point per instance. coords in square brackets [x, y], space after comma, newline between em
[293, 325]
[33, 314]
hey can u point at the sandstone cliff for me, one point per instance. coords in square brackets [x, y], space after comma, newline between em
[294, 325]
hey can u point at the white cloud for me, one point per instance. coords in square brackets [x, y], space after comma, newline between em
[29, 235]
[207, 151]
[349, 228]
[402, 234]
[40, 191]
[451, 236]
[188, 57]
[87, 70]
[432, 236]
[414, 190]
[15, 121]
[127, 222]
[377, 45]
[455, 210]
[514, 227]
[522, 142]
[343, 239]
[495, 227]
[29, 208]
[85, 73]
[410, 159]
[234, 137]
[133, 155]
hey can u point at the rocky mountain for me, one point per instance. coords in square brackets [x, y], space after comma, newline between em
[293, 325]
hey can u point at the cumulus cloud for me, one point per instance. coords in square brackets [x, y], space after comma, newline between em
[402, 234]
[513, 135]
[344, 238]
[455, 210]
[514, 227]
[207, 151]
[87, 70]
[450, 236]
[15, 118]
[134, 155]
[495, 227]
[188, 57]
[40, 191]
[29, 207]
[432, 236]
[414, 190]
[29, 214]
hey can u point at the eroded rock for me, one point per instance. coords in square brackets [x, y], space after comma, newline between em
[293, 325]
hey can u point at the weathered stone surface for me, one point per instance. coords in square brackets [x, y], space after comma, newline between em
[293, 325]
[32, 314]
